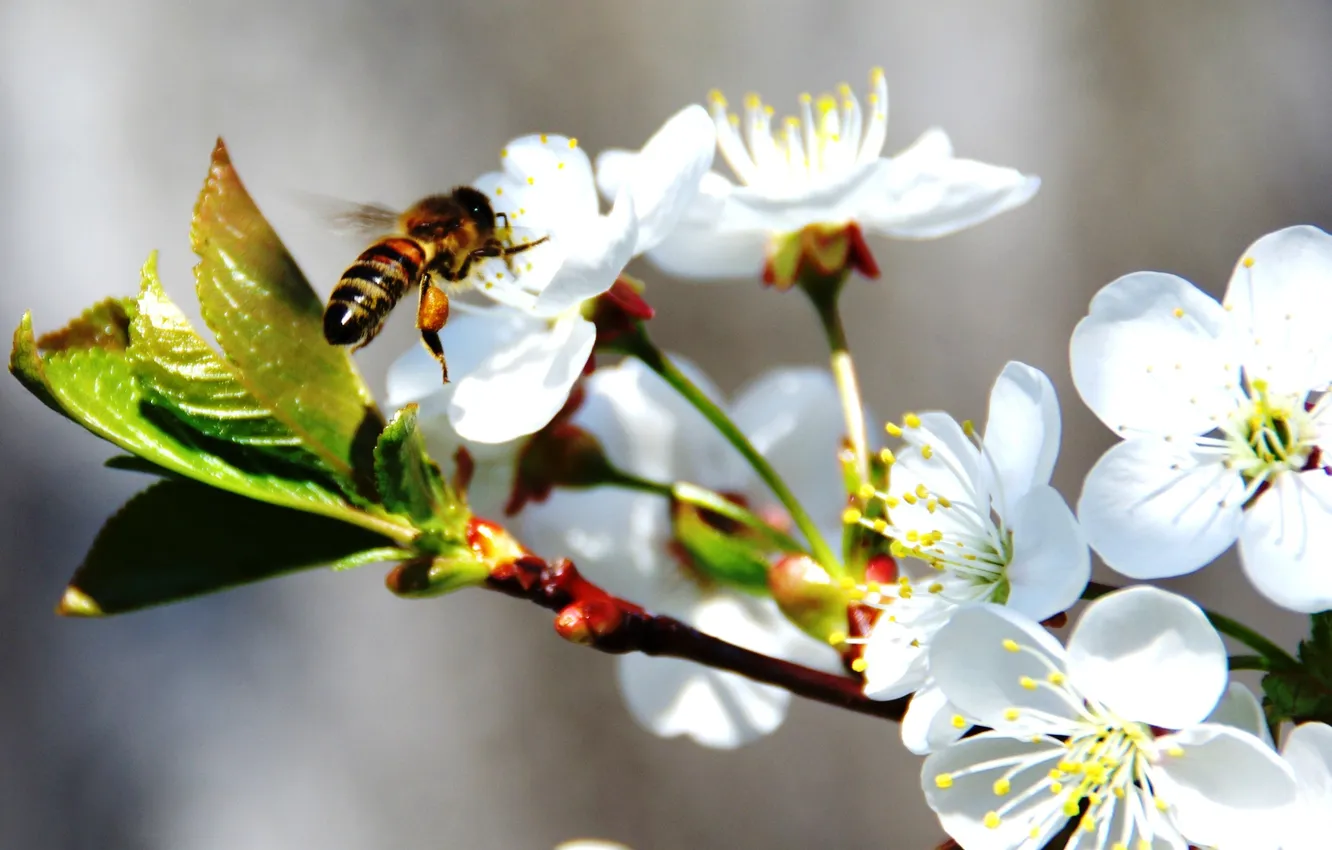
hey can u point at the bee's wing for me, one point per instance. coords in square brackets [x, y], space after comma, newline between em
[350, 218]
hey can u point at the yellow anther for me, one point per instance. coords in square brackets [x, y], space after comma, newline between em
[1027, 683]
[859, 665]
[1002, 787]
[931, 505]
[1087, 824]
[907, 593]
[880, 525]
[922, 491]
[1144, 844]
[1119, 845]
[887, 457]
[1179, 312]
[1161, 805]
[1056, 787]
[716, 98]
[866, 491]
[893, 430]
[837, 638]
[1035, 833]
[531, 181]
[733, 119]
[936, 588]
[753, 101]
[499, 190]
[1175, 752]
[876, 74]
[944, 502]
[992, 820]
[911, 420]
[504, 152]
[1056, 678]
[544, 138]
[959, 722]
[910, 498]
[927, 451]
[943, 780]
[844, 89]
[559, 165]
[1071, 806]
[1248, 262]
[573, 143]
[913, 536]
[767, 110]
[1011, 714]
[904, 581]
[1118, 792]
[851, 516]
[806, 97]
[968, 427]
[1011, 645]
[892, 501]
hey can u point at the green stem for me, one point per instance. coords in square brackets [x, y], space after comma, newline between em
[1249, 662]
[824, 295]
[709, 500]
[1277, 658]
[638, 345]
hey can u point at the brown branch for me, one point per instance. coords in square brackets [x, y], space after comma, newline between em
[590, 616]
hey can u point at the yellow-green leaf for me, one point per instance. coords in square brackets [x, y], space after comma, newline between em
[409, 482]
[268, 322]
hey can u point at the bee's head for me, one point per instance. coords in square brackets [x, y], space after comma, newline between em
[477, 205]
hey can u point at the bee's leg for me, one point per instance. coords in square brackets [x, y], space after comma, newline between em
[495, 248]
[432, 311]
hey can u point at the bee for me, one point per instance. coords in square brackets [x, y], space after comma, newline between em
[438, 238]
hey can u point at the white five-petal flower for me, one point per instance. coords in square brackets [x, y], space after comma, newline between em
[824, 167]
[623, 541]
[982, 514]
[1308, 751]
[1224, 419]
[514, 364]
[1082, 732]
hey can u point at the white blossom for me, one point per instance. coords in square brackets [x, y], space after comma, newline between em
[981, 515]
[1223, 416]
[1111, 731]
[623, 541]
[822, 167]
[526, 352]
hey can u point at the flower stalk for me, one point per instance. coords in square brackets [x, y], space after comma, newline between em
[824, 292]
[637, 344]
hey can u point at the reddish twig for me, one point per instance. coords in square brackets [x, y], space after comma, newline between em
[588, 615]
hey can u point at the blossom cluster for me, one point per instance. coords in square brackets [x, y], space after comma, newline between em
[1131, 730]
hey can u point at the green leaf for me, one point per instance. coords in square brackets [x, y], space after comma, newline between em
[177, 540]
[182, 372]
[268, 322]
[409, 482]
[1304, 693]
[99, 390]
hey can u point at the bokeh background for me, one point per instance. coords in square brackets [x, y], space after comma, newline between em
[321, 712]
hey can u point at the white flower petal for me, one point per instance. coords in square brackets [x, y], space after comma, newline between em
[1227, 783]
[664, 178]
[925, 197]
[1286, 542]
[1051, 565]
[700, 251]
[469, 338]
[972, 663]
[1281, 295]
[1155, 354]
[520, 388]
[794, 418]
[670, 697]
[1148, 656]
[931, 146]
[787, 207]
[963, 805]
[593, 258]
[1240, 708]
[896, 659]
[1022, 430]
[617, 540]
[1308, 751]
[1152, 509]
[929, 723]
[556, 168]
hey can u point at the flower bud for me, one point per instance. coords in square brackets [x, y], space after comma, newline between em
[719, 548]
[808, 596]
[492, 543]
[616, 311]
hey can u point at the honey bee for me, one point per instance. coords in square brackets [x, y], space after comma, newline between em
[438, 238]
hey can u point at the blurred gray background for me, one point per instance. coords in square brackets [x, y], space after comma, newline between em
[319, 711]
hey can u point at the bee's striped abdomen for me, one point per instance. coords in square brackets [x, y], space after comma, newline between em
[369, 289]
